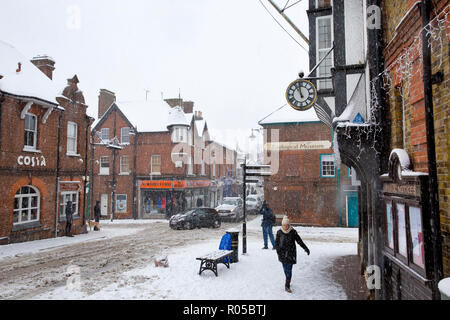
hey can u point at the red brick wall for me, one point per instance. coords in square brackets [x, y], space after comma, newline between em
[301, 192]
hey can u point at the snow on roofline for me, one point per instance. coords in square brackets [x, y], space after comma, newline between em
[286, 114]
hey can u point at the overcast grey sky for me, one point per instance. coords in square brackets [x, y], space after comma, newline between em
[228, 56]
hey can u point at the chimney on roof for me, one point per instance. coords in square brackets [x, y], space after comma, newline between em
[188, 106]
[198, 115]
[45, 63]
[105, 99]
[174, 102]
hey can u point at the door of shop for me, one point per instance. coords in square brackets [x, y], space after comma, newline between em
[104, 204]
[352, 210]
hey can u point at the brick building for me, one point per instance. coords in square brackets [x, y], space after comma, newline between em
[160, 164]
[399, 150]
[44, 133]
[308, 186]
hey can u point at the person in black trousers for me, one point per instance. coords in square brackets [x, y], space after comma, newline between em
[69, 218]
[97, 214]
[286, 249]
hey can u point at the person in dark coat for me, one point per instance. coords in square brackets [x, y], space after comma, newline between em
[97, 213]
[286, 249]
[268, 221]
[69, 218]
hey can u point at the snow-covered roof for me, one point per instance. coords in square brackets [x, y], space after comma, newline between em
[29, 82]
[177, 117]
[199, 126]
[286, 114]
[150, 115]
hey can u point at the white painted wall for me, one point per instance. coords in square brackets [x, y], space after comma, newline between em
[354, 31]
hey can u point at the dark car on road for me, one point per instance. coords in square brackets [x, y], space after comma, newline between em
[196, 218]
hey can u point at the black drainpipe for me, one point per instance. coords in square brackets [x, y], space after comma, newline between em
[61, 112]
[134, 173]
[431, 150]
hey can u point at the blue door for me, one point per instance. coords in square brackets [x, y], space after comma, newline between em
[352, 210]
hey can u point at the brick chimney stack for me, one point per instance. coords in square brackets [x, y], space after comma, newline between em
[105, 99]
[188, 106]
[45, 63]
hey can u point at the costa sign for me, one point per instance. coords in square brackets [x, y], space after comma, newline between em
[31, 161]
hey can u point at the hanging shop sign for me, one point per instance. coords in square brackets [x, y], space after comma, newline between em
[156, 184]
[301, 94]
[31, 161]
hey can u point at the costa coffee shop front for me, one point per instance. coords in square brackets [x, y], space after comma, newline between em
[169, 197]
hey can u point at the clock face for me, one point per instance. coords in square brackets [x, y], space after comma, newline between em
[301, 94]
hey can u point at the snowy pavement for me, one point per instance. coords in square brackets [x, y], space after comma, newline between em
[257, 276]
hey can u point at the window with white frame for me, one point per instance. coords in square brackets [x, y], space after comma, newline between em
[324, 27]
[125, 135]
[65, 197]
[155, 164]
[190, 137]
[104, 134]
[72, 132]
[179, 134]
[30, 131]
[26, 205]
[327, 165]
[124, 165]
[104, 165]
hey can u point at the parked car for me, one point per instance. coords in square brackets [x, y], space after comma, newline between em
[196, 218]
[253, 203]
[231, 209]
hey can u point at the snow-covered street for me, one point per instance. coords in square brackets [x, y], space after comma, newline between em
[117, 263]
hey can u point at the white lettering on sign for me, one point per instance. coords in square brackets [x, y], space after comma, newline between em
[31, 161]
[298, 145]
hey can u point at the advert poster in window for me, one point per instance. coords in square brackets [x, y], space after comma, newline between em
[390, 226]
[415, 220]
[402, 246]
[121, 203]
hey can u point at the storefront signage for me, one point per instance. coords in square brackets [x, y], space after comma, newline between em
[176, 184]
[404, 189]
[31, 161]
[156, 184]
[298, 145]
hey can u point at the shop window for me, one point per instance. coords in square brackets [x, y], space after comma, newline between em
[415, 227]
[26, 205]
[30, 131]
[104, 165]
[72, 131]
[155, 165]
[124, 166]
[324, 44]
[105, 135]
[327, 166]
[125, 135]
[65, 197]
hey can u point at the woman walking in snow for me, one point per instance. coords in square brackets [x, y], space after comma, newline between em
[286, 249]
